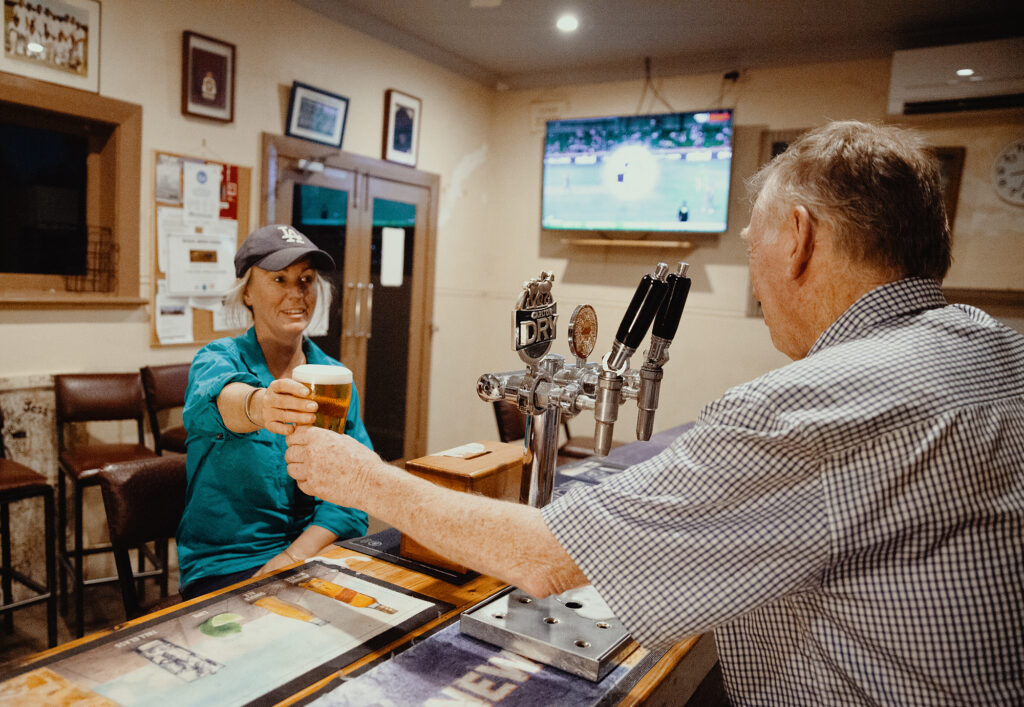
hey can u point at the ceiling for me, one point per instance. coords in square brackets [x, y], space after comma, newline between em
[513, 44]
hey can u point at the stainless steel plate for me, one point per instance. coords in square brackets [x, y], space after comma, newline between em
[574, 631]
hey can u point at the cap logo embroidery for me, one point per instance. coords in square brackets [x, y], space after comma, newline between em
[291, 235]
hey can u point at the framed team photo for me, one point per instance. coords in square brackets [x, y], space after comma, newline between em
[53, 40]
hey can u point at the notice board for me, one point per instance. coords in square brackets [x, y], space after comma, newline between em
[201, 214]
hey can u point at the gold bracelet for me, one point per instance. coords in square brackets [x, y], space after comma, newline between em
[245, 406]
[290, 556]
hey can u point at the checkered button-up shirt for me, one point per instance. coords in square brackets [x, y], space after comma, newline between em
[851, 525]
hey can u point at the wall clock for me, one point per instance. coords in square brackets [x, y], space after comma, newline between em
[1008, 173]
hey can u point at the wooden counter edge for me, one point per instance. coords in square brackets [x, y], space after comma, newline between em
[645, 687]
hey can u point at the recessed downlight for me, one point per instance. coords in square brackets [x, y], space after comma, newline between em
[567, 23]
[965, 72]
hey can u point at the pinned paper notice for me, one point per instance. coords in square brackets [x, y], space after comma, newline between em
[173, 317]
[199, 265]
[392, 256]
[201, 197]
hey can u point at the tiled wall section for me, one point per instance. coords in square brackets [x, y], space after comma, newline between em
[30, 438]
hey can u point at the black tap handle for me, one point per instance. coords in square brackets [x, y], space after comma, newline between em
[641, 311]
[667, 320]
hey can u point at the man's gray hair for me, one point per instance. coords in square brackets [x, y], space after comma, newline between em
[876, 187]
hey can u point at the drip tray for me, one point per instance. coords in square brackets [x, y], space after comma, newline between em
[574, 631]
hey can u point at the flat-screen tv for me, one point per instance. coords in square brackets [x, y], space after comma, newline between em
[665, 173]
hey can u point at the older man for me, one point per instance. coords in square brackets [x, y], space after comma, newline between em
[850, 525]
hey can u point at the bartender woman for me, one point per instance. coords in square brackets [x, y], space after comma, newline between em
[244, 516]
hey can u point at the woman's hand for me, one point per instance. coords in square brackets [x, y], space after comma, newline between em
[282, 406]
[279, 407]
[274, 563]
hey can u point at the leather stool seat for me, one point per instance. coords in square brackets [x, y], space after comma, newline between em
[85, 462]
[18, 482]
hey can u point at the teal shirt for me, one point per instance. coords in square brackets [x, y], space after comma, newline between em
[241, 507]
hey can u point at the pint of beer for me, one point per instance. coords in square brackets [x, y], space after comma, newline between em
[331, 388]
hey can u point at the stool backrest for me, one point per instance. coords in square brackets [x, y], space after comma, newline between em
[88, 397]
[144, 500]
[512, 422]
[165, 389]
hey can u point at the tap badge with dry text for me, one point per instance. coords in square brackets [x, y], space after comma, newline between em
[534, 319]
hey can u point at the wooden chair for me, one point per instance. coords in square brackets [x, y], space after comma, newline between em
[165, 390]
[144, 500]
[17, 483]
[87, 397]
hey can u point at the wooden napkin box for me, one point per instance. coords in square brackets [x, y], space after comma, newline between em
[493, 469]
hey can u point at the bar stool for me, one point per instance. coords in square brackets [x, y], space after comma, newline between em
[88, 397]
[165, 390]
[144, 500]
[512, 427]
[18, 482]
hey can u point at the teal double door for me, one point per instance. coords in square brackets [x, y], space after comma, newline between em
[377, 222]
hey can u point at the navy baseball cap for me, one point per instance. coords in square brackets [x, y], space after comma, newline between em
[277, 246]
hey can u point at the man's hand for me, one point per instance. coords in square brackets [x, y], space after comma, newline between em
[331, 466]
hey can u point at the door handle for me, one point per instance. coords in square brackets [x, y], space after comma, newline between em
[348, 325]
[357, 324]
[367, 332]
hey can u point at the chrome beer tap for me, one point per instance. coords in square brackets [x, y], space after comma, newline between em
[550, 390]
[632, 330]
[665, 324]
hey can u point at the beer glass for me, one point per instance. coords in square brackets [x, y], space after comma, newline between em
[331, 388]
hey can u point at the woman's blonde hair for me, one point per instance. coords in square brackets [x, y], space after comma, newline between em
[239, 314]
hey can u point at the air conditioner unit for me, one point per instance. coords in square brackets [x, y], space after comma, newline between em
[958, 77]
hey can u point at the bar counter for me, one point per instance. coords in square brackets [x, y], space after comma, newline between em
[351, 626]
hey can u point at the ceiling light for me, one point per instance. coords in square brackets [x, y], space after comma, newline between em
[965, 72]
[567, 23]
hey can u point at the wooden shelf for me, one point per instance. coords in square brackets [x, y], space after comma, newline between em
[627, 243]
[70, 299]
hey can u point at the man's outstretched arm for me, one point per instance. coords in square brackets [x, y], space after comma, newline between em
[508, 541]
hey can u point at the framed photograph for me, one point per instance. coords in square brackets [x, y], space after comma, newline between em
[401, 127]
[951, 166]
[207, 77]
[53, 40]
[317, 115]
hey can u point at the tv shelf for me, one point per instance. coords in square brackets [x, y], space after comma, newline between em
[627, 243]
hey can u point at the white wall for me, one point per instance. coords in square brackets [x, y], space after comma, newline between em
[717, 345]
[489, 158]
[276, 42]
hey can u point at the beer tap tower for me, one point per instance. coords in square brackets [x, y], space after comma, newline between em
[551, 630]
[550, 389]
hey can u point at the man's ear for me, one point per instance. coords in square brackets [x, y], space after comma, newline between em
[802, 233]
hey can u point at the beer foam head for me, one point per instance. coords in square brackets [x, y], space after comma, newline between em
[322, 374]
